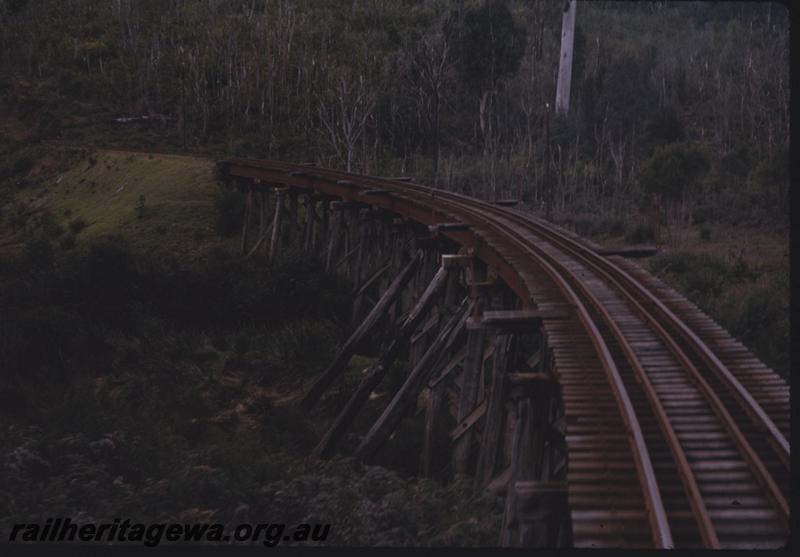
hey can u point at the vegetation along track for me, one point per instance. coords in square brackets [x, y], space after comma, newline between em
[676, 435]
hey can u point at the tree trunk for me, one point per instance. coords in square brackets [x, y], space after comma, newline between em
[565, 65]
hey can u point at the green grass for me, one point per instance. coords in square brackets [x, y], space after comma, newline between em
[175, 214]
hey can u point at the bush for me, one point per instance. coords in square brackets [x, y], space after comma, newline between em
[737, 162]
[21, 163]
[702, 277]
[642, 232]
[673, 170]
[703, 214]
[76, 225]
[760, 319]
[67, 242]
[288, 349]
[665, 126]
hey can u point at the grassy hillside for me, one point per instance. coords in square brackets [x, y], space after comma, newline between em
[156, 202]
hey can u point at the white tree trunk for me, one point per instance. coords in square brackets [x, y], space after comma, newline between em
[565, 64]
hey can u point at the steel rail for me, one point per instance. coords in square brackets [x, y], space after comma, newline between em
[660, 530]
[637, 296]
[745, 449]
[745, 399]
[705, 527]
[600, 264]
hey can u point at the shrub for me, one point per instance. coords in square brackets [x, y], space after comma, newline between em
[703, 214]
[288, 349]
[702, 277]
[68, 241]
[20, 164]
[107, 280]
[673, 170]
[642, 232]
[737, 162]
[39, 253]
[760, 319]
[665, 126]
[76, 225]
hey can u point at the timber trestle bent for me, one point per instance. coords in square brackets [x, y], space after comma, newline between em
[605, 408]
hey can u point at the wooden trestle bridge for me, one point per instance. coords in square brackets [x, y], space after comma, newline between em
[606, 408]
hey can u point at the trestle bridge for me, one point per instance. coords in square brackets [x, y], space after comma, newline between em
[607, 409]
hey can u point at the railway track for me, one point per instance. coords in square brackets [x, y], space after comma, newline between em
[676, 435]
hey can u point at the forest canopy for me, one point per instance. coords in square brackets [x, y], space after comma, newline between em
[454, 91]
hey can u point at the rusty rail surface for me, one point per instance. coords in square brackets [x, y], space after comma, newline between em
[676, 435]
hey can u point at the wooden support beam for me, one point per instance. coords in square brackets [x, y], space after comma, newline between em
[311, 217]
[377, 371]
[509, 533]
[418, 344]
[404, 399]
[449, 227]
[499, 485]
[425, 329]
[262, 216]
[458, 360]
[493, 429]
[375, 276]
[248, 210]
[346, 257]
[362, 247]
[455, 361]
[333, 242]
[276, 224]
[264, 229]
[522, 320]
[346, 352]
[471, 419]
[456, 260]
[324, 228]
[473, 364]
[430, 436]
[294, 217]
[265, 236]
[261, 243]
[375, 192]
[452, 288]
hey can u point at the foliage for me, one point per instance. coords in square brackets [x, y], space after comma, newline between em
[104, 190]
[674, 170]
[59, 308]
[412, 88]
[491, 46]
[76, 225]
[642, 233]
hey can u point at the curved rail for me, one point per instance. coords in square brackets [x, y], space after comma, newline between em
[431, 206]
